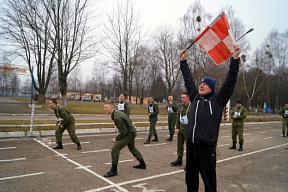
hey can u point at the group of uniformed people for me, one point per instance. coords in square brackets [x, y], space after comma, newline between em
[177, 118]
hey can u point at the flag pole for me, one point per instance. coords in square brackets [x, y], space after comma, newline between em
[190, 45]
[250, 30]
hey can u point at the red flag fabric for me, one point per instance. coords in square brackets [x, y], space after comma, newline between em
[217, 40]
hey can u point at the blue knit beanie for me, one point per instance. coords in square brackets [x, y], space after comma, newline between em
[210, 82]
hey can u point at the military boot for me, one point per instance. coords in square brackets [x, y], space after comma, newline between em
[142, 165]
[284, 134]
[177, 162]
[241, 147]
[112, 172]
[78, 146]
[147, 141]
[170, 138]
[233, 146]
[156, 139]
[59, 146]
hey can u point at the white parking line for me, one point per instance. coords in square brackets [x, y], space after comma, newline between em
[268, 138]
[8, 148]
[151, 145]
[222, 145]
[8, 160]
[74, 143]
[224, 136]
[180, 171]
[123, 161]
[84, 168]
[19, 176]
[96, 151]
[262, 132]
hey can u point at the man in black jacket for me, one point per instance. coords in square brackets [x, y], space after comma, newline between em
[203, 128]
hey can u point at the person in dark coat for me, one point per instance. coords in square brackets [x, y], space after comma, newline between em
[203, 127]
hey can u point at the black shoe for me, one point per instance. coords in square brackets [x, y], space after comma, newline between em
[178, 162]
[78, 146]
[241, 147]
[147, 141]
[170, 138]
[59, 146]
[112, 172]
[142, 165]
[233, 146]
[156, 139]
[185, 168]
[284, 134]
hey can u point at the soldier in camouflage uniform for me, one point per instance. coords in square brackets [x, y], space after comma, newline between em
[284, 114]
[172, 108]
[126, 137]
[153, 111]
[123, 104]
[66, 121]
[181, 124]
[238, 115]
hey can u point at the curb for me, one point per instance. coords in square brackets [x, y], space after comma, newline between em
[78, 132]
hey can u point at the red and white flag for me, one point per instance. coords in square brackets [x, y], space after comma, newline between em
[217, 40]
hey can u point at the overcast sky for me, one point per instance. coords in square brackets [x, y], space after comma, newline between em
[262, 15]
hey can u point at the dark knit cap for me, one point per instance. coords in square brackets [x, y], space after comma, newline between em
[238, 101]
[210, 82]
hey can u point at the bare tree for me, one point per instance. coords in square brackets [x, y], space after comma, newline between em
[166, 43]
[71, 36]
[123, 41]
[26, 27]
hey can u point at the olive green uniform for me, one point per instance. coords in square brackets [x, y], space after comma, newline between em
[125, 137]
[153, 110]
[184, 110]
[67, 120]
[283, 112]
[238, 123]
[172, 116]
[126, 107]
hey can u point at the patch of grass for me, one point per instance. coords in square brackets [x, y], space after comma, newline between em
[87, 107]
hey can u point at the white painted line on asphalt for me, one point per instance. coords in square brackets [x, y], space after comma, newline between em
[19, 176]
[96, 151]
[138, 180]
[262, 132]
[84, 168]
[61, 155]
[224, 136]
[8, 160]
[224, 131]
[249, 141]
[176, 152]
[257, 128]
[247, 134]
[222, 145]
[138, 138]
[268, 138]
[151, 145]
[8, 148]
[254, 152]
[123, 161]
[75, 144]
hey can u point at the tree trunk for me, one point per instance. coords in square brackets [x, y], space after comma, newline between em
[41, 98]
